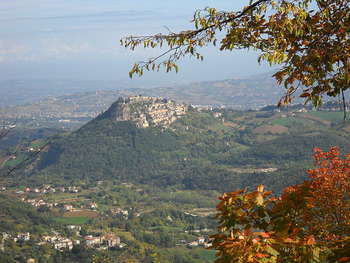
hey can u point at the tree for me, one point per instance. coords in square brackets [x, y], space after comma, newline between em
[309, 39]
[309, 222]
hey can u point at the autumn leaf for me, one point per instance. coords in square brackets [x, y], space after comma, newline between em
[309, 221]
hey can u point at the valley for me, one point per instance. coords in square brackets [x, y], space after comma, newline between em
[139, 183]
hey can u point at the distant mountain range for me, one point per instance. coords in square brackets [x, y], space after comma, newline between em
[250, 93]
[26, 91]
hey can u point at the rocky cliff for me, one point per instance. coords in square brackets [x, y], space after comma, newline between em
[145, 111]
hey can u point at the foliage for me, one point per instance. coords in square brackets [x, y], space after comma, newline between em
[308, 38]
[18, 216]
[309, 222]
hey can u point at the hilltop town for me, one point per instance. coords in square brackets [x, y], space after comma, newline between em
[145, 111]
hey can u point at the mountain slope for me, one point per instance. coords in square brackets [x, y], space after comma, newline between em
[220, 150]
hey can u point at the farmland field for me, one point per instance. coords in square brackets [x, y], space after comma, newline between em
[72, 220]
[77, 217]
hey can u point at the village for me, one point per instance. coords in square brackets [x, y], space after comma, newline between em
[36, 199]
[61, 243]
[106, 240]
[101, 242]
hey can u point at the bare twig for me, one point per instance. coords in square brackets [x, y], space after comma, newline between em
[344, 106]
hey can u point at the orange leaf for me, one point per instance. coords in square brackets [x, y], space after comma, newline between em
[261, 255]
[264, 234]
[310, 240]
[344, 259]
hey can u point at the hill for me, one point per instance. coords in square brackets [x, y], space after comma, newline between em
[195, 150]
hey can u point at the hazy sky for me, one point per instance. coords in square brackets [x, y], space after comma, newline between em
[79, 39]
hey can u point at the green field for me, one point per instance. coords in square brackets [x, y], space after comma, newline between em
[72, 220]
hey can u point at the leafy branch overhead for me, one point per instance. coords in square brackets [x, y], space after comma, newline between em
[309, 39]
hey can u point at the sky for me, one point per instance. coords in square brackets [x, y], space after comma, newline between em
[79, 39]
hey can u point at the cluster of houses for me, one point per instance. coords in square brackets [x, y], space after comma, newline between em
[120, 212]
[70, 208]
[21, 237]
[49, 189]
[199, 242]
[17, 238]
[46, 189]
[65, 207]
[58, 242]
[295, 108]
[103, 242]
[38, 203]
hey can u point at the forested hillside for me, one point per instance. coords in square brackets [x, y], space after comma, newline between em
[200, 149]
[17, 216]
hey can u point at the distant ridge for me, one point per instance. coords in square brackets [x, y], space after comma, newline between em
[240, 94]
